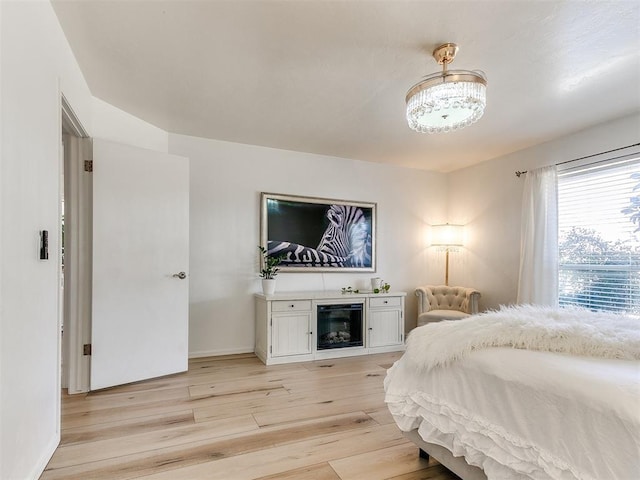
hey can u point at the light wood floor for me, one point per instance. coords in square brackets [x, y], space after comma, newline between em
[233, 418]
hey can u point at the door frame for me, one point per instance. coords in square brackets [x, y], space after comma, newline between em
[76, 311]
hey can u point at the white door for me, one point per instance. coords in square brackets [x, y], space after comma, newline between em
[140, 245]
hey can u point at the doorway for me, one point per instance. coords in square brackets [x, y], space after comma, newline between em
[125, 310]
[75, 252]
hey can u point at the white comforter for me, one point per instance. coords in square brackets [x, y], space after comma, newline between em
[526, 414]
[568, 330]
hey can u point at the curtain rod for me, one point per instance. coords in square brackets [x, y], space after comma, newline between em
[519, 173]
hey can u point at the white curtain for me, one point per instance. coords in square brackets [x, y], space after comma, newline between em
[538, 281]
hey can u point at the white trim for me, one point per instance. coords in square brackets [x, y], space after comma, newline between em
[47, 453]
[70, 119]
[218, 353]
[60, 300]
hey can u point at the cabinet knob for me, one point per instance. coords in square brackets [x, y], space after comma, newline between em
[310, 333]
[292, 305]
[386, 301]
[370, 328]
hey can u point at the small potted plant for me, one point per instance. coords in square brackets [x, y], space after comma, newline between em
[269, 270]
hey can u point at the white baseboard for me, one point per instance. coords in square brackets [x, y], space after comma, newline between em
[44, 459]
[217, 353]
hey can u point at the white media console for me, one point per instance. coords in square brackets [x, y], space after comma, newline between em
[303, 326]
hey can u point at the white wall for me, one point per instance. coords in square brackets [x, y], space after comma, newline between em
[111, 123]
[226, 181]
[487, 198]
[36, 65]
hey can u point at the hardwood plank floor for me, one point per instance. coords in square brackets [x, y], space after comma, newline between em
[233, 418]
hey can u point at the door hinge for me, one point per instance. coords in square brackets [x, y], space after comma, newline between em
[88, 165]
[86, 349]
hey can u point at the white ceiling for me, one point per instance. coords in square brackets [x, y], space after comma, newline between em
[330, 77]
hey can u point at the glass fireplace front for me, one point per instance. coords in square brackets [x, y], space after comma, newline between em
[340, 326]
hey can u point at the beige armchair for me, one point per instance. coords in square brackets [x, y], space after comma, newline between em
[442, 302]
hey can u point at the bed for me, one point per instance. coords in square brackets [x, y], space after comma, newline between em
[563, 404]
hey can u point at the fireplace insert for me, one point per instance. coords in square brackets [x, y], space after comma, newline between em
[340, 326]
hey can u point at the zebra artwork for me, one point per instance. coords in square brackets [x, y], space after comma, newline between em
[346, 242]
[299, 255]
[347, 235]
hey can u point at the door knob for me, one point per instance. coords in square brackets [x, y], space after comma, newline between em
[180, 275]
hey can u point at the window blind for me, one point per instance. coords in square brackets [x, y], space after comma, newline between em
[599, 236]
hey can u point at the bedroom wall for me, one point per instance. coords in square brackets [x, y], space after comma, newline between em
[226, 181]
[487, 199]
[36, 64]
[116, 125]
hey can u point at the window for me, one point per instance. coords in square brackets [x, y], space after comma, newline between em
[599, 236]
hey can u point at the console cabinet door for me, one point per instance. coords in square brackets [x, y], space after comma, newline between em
[291, 334]
[385, 328]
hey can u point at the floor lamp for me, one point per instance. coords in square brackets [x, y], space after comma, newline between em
[449, 237]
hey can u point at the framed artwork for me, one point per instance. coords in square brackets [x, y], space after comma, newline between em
[319, 234]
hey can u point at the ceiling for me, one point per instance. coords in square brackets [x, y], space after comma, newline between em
[330, 77]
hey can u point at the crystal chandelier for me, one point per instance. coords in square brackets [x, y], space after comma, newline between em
[442, 102]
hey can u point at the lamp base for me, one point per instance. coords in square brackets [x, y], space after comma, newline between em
[446, 269]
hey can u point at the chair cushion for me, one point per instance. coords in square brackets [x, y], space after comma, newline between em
[437, 315]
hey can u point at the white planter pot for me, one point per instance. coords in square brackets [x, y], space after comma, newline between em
[268, 286]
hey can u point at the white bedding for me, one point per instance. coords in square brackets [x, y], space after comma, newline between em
[566, 330]
[526, 414]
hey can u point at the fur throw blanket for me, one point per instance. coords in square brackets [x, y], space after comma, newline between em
[570, 330]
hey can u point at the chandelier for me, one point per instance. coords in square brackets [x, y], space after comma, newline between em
[442, 102]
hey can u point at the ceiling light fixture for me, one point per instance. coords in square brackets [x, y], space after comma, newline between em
[442, 102]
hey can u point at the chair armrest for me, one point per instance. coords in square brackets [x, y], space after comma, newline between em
[423, 299]
[472, 297]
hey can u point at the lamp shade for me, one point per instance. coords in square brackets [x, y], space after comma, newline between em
[447, 235]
